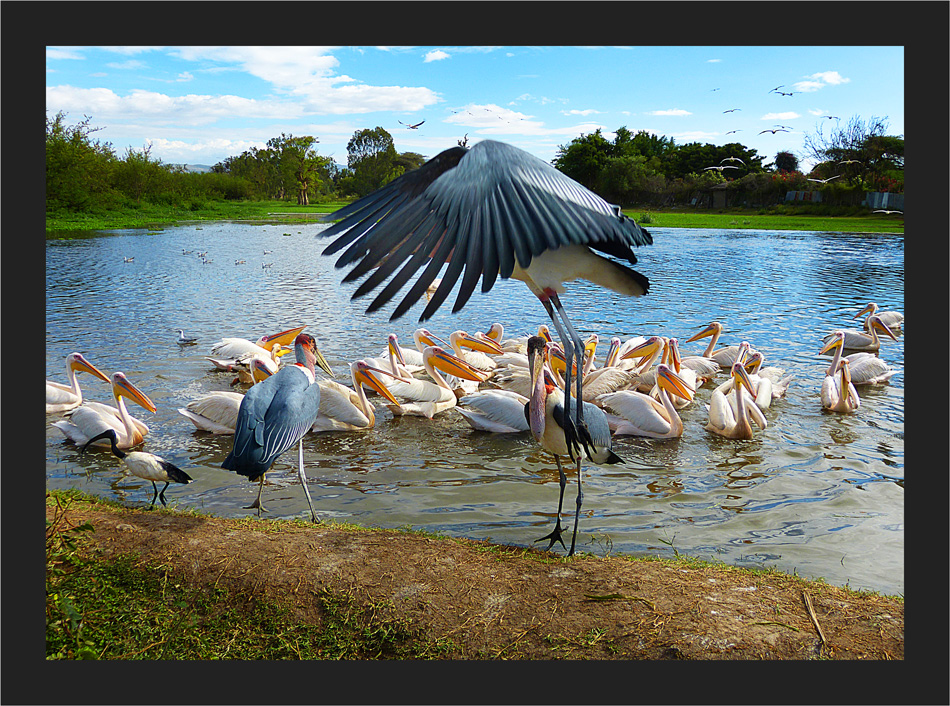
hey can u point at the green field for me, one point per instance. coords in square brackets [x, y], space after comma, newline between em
[777, 218]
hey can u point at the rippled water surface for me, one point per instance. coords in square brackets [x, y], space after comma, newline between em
[816, 493]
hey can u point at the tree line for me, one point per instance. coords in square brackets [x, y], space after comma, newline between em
[84, 174]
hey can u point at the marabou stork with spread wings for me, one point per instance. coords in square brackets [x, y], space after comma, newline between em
[491, 211]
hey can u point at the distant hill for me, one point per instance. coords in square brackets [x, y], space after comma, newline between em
[195, 167]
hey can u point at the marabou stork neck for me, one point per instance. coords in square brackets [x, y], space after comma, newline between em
[491, 210]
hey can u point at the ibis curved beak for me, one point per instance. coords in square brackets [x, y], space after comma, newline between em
[708, 331]
[123, 387]
[84, 365]
[284, 338]
[673, 383]
[365, 375]
[448, 363]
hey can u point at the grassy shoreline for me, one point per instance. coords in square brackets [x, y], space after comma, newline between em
[795, 218]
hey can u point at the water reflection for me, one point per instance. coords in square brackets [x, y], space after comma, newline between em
[779, 499]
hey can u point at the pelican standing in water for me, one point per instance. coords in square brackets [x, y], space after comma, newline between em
[894, 320]
[144, 465]
[93, 418]
[275, 415]
[638, 414]
[838, 393]
[62, 398]
[545, 414]
[491, 210]
[345, 408]
[861, 341]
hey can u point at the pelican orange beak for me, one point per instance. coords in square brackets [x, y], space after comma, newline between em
[845, 369]
[483, 345]
[83, 365]
[259, 370]
[612, 351]
[283, 350]
[836, 340]
[712, 328]
[645, 349]
[742, 377]
[675, 359]
[123, 387]
[877, 323]
[869, 309]
[365, 375]
[545, 333]
[448, 363]
[557, 359]
[673, 383]
[284, 338]
[590, 348]
[430, 339]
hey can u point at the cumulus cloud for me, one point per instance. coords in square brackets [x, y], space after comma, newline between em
[713, 61]
[819, 80]
[435, 55]
[672, 111]
[588, 111]
[789, 115]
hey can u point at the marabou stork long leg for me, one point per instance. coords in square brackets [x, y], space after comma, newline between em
[555, 534]
[577, 511]
[303, 480]
[257, 503]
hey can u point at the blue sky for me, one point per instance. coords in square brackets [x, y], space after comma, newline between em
[200, 105]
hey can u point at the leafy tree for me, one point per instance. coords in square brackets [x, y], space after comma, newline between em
[786, 162]
[371, 157]
[300, 165]
[861, 150]
[78, 168]
[584, 158]
[409, 161]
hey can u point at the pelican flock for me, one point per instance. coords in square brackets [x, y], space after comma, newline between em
[464, 219]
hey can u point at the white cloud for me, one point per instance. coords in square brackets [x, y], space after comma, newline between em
[819, 80]
[713, 61]
[780, 116]
[808, 86]
[589, 111]
[671, 112]
[435, 55]
[130, 64]
[63, 53]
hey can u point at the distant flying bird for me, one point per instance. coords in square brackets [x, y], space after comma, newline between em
[775, 90]
[790, 93]
[825, 181]
[731, 110]
[732, 131]
[411, 127]
[720, 168]
[850, 161]
[731, 159]
[773, 131]
[831, 117]
[881, 210]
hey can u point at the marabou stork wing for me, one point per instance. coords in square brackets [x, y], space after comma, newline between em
[477, 209]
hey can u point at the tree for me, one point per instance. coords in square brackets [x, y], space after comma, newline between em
[78, 168]
[861, 151]
[371, 157]
[584, 158]
[300, 165]
[786, 162]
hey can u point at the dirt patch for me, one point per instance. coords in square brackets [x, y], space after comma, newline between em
[481, 600]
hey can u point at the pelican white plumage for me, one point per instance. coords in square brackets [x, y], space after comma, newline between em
[217, 411]
[688, 375]
[859, 340]
[838, 393]
[734, 421]
[62, 398]
[144, 465]
[894, 320]
[412, 357]
[478, 356]
[498, 411]
[93, 418]
[492, 210]
[425, 398]
[769, 383]
[345, 408]
[726, 355]
[866, 368]
[637, 414]
[248, 366]
[234, 348]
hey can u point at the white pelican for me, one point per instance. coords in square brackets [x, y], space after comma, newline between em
[769, 383]
[610, 377]
[688, 375]
[412, 357]
[861, 341]
[184, 340]
[478, 356]
[637, 414]
[491, 210]
[61, 398]
[519, 344]
[144, 465]
[725, 356]
[733, 422]
[249, 367]
[498, 411]
[866, 368]
[424, 398]
[92, 418]
[217, 411]
[647, 353]
[234, 348]
[394, 362]
[345, 408]
[545, 414]
[892, 319]
[275, 415]
[838, 393]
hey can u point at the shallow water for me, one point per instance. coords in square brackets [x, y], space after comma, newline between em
[816, 493]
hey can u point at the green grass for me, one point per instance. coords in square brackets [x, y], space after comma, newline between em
[778, 218]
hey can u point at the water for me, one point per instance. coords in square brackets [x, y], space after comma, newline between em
[816, 493]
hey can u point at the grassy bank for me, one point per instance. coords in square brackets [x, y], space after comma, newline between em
[775, 218]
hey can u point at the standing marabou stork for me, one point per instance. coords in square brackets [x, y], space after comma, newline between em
[491, 210]
[144, 465]
[275, 414]
[545, 414]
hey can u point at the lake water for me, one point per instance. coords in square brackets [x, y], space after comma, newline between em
[816, 493]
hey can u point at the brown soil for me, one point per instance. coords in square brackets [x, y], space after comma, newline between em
[492, 601]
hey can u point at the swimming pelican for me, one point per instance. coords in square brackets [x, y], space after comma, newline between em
[866, 368]
[345, 408]
[478, 356]
[498, 411]
[92, 418]
[144, 465]
[61, 398]
[637, 414]
[545, 415]
[276, 414]
[184, 340]
[424, 398]
[412, 357]
[838, 393]
[491, 210]
[688, 375]
[892, 319]
[734, 422]
[861, 341]
[246, 366]
[725, 356]
[217, 411]
[234, 348]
